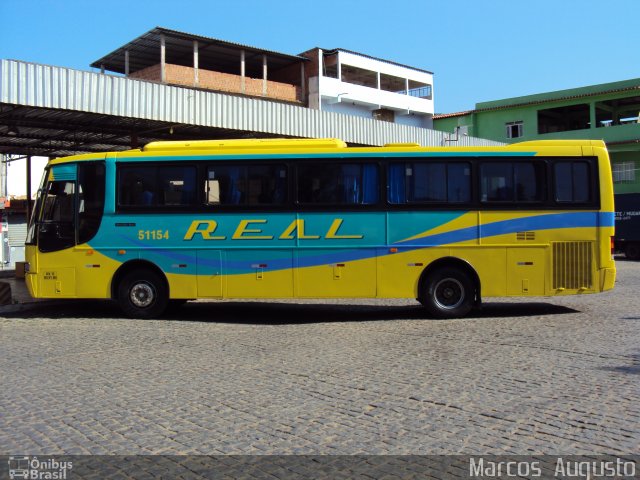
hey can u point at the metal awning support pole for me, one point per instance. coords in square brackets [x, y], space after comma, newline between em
[303, 85]
[163, 76]
[28, 188]
[4, 258]
[264, 75]
[3, 176]
[320, 75]
[196, 79]
[126, 63]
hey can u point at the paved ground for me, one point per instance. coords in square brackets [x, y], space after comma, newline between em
[558, 376]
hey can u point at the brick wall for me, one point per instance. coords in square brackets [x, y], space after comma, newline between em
[222, 82]
[150, 73]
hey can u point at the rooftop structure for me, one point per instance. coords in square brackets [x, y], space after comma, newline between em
[335, 80]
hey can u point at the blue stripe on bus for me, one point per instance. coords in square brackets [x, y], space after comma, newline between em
[539, 222]
[309, 259]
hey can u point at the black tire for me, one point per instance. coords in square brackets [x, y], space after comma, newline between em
[142, 293]
[632, 251]
[448, 292]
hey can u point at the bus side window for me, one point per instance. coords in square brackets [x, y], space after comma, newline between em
[496, 182]
[429, 182]
[213, 192]
[572, 182]
[248, 185]
[155, 185]
[521, 182]
[338, 183]
[91, 187]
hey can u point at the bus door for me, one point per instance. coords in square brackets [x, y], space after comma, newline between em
[68, 213]
[56, 230]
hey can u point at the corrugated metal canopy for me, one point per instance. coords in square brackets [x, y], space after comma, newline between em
[58, 133]
[56, 111]
[213, 54]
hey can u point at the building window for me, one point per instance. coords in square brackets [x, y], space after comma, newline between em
[621, 111]
[419, 89]
[393, 84]
[330, 65]
[384, 114]
[563, 119]
[514, 129]
[359, 76]
[624, 172]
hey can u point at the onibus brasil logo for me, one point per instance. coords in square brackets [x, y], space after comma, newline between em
[38, 469]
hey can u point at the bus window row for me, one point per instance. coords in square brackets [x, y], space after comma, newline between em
[348, 183]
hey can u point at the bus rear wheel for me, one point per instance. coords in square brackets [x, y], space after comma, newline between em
[142, 293]
[448, 292]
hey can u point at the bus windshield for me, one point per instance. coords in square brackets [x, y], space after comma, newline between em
[69, 206]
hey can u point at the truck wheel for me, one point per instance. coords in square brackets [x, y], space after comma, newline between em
[632, 251]
[448, 293]
[142, 293]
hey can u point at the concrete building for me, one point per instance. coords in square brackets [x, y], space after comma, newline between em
[355, 84]
[334, 80]
[609, 112]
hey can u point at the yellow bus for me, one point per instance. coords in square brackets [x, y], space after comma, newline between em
[283, 218]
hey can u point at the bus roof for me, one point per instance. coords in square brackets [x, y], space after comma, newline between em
[304, 145]
[247, 144]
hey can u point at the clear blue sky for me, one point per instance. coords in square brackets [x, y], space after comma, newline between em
[479, 50]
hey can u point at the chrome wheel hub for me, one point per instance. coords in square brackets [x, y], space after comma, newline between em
[142, 295]
[449, 293]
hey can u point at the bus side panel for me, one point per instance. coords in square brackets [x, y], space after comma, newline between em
[490, 264]
[209, 282]
[78, 272]
[270, 273]
[336, 275]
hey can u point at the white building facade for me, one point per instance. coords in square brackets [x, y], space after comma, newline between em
[350, 83]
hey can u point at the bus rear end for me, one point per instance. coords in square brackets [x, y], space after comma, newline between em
[607, 267]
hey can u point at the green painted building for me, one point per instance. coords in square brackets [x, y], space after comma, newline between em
[609, 112]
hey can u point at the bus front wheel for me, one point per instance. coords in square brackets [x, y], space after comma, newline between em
[142, 294]
[448, 293]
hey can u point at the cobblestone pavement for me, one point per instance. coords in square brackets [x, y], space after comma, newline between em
[549, 375]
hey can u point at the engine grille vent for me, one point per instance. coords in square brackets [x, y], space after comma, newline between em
[572, 265]
[520, 236]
